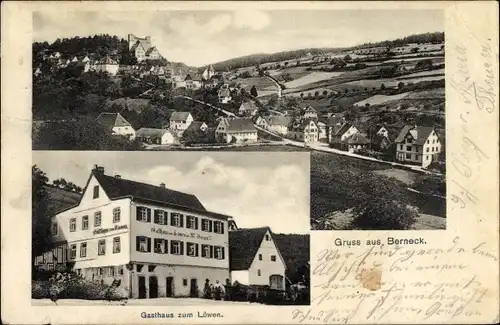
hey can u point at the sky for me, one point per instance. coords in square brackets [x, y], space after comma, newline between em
[198, 38]
[257, 188]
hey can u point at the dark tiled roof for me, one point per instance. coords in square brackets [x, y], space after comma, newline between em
[118, 187]
[248, 106]
[240, 125]
[179, 116]
[357, 138]
[151, 49]
[419, 133]
[195, 125]
[278, 120]
[150, 133]
[110, 120]
[342, 129]
[243, 245]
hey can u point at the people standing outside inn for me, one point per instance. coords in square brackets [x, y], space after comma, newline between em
[218, 290]
[206, 289]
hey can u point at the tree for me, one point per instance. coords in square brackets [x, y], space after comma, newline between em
[301, 95]
[385, 214]
[347, 58]
[41, 214]
[316, 94]
[382, 86]
[401, 85]
[253, 91]
[81, 134]
[65, 185]
[273, 101]
[325, 92]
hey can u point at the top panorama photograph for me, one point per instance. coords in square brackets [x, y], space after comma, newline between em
[362, 90]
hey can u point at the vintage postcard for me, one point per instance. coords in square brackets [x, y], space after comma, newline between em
[250, 162]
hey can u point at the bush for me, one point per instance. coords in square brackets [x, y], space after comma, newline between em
[385, 215]
[71, 286]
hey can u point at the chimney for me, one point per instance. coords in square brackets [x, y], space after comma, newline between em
[99, 170]
[118, 176]
[162, 185]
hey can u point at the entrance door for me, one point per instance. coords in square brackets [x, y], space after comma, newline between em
[153, 287]
[194, 288]
[170, 286]
[142, 287]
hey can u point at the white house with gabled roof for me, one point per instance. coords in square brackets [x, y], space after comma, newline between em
[255, 258]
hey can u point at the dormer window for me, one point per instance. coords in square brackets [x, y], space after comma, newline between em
[96, 192]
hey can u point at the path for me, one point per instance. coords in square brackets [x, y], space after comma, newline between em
[319, 146]
[276, 83]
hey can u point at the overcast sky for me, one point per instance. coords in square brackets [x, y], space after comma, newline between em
[201, 37]
[256, 188]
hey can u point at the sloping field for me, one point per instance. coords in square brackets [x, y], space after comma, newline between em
[432, 93]
[261, 83]
[311, 78]
[380, 99]
[424, 73]
[439, 59]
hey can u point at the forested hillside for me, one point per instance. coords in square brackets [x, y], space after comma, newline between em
[295, 251]
[98, 46]
[256, 59]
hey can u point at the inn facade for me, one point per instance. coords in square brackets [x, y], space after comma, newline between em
[147, 239]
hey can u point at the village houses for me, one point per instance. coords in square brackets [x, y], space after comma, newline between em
[255, 258]
[309, 113]
[235, 130]
[338, 133]
[417, 144]
[180, 121]
[248, 108]
[108, 65]
[276, 124]
[193, 81]
[304, 129]
[116, 124]
[156, 136]
[224, 95]
[197, 126]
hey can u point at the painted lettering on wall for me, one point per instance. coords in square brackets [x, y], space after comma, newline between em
[191, 235]
[106, 230]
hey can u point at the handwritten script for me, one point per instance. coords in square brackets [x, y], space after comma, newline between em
[477, 95]
[382, 283]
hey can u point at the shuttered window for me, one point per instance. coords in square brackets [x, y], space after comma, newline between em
[143, 214]
[143, 244]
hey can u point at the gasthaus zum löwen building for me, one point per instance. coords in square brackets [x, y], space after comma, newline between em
[153, 241]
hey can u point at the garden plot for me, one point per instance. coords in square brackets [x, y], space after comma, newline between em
[311, 78]
[380, 99]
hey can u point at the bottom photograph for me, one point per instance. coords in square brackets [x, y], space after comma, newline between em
[170, 228]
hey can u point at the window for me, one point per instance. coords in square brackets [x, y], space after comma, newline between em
[116, 245]
[151, 268]
[176, 220]
[417, 157]
[160, 246]
[111, 271]
[400, 147]
[206, 225]
[96, 192]
[160, 217]
[72, 224]
[116, 215]
[426, 157]
[409, 140]
[176, 247]
[191, 222]
[428, 141]
[139, 267]
[218, 227]
[258, 272]
[101, 247]
[192, 249]
[100, 271]
[219, 253]
[85, 222]
[268, 238]
[97, 219]
[260, 257]
[120, 270]
[184, 282]
[432, 149]
[427, 149]
[54, 229]
[408, 148]
[416, 149]
[143, 214]
[72, 252]
[83, 249]
[273, 258]
[408, 156]
[143, 244]
[206, 251]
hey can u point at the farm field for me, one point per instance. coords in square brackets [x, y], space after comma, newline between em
[311, 78]
[380, 99]
[439, 59]
[439, 72]
[433, 93]
[261, 83]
